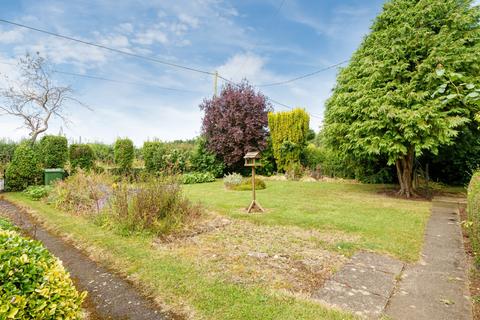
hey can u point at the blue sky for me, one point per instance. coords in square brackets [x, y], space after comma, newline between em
[248, 38]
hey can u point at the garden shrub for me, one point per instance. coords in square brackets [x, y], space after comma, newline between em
[124, 153]
[54, 151]
[203, 160]
[197, 177]
[153, 155]
[232, 179]
[294, 171]
[157, 205]
[473, 213]
[82, 192]
[103, 152]
[81, 156]
[247, 184]
[37, 192]
[176, 161]
[34, 284]
[25, 168]
[7, 149]
[289, 131]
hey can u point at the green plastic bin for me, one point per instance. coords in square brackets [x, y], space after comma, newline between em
[52, 175]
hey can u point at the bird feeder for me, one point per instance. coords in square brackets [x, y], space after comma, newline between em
[252, 159]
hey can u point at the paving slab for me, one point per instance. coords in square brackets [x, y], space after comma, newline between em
[363, 285]
[437, 286]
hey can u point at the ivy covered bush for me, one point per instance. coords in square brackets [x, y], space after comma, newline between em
[54, 151]
[81, 156]
[25, 168]
[124, 153]
[34, 284]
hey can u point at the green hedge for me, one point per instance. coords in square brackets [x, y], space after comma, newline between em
[153, 152]
[25, 168]
[197, 177]
[34, 284]
[474, 214]
[81, 156]
[124, 153]
[54, 151]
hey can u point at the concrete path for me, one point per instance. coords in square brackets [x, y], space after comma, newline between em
[363, 286]
[109, 296]
[437, 286]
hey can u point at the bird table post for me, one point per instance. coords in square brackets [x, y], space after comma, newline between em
[250, 161]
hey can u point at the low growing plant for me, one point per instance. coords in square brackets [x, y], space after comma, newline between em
[37, 192]
[197, 177]
[232, 179]
[34, 284]
[247, 185]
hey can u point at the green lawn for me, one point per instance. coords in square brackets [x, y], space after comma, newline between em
[176, 281]
[384, 224]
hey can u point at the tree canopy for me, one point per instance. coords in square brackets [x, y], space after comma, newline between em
[235, 123]
[394, 99]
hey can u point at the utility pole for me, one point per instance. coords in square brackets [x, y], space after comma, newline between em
[215, 82]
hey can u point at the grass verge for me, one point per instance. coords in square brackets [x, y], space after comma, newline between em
[175, 281]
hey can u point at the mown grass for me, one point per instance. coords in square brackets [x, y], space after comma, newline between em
[175, 281]
[384, 224]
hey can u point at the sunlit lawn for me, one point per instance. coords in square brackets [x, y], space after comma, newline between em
[384, 224]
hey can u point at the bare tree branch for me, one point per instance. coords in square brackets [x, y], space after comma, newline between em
[35, 98]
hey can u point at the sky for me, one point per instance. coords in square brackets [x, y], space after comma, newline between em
[263, 41]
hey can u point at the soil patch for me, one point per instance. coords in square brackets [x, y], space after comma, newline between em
[278, 258]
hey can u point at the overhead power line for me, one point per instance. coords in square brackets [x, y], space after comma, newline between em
[167, 63]
[303, 76]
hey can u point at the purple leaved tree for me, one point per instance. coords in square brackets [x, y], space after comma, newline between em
[236, 122]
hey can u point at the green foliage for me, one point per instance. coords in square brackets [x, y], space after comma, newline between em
[473, 212]
[247, 184]
[203, 160]
[312, 157]
[81, 156]
[6, 225]
[157, 205]
[153, 152]
[37, 192]
[269, 166]
[288, 131]
[7, 148]
[176, 160]
[34, 283]
[232, 180]
[390, 100]
[197, 177]
[54, 151]
[25, 168]
[124, 153]
[103, 152]
[295, 171]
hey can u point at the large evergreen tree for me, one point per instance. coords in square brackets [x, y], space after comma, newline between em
[393, 98]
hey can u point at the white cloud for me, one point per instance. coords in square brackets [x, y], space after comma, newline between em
[246, 65]
[189, 20]
[151, 36]
[11, 36]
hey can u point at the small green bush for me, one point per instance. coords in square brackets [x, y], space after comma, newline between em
[197, 177]
[6, 225]
[37, 192]
[247, 185]
[81, 156]
[473, 212]
[25, 168]
[34, 284]
[204, 161]
[153, 155]
[54, 151]
[124, 153]
[232, 179]
[157, 205]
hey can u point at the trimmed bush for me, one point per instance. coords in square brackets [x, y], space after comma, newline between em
[34, 283]
[124, 153]
[54, 151]
[81, 156]
[153, 152]
[197, 177]
[24, 170]
[473, 212]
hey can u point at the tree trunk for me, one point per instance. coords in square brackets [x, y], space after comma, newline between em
[405, 173]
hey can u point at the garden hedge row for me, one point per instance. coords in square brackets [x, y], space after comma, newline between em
[474, 214]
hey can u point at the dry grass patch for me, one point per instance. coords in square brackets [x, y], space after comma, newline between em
[277, 258]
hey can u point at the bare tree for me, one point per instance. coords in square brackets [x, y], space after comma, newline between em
[34, 96]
